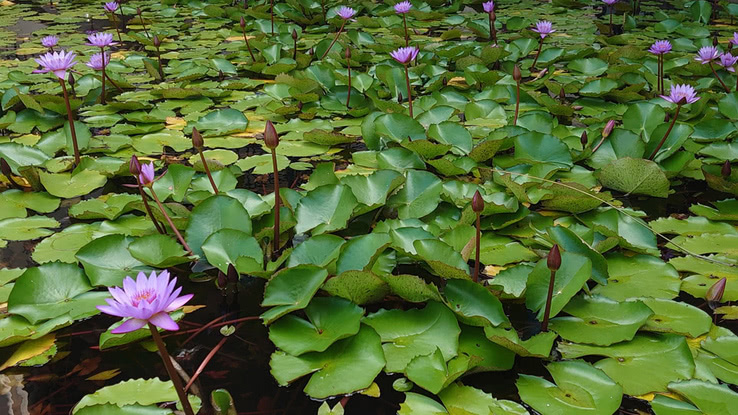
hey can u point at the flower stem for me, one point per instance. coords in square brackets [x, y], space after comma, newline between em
[409, 94]
[158, 227]
[334, 40]
[169, 221]
[294, 51]
[718, 78]
[158, 57]
[611, 31]
[170, 370]
[663, 140]
[272, 13]
[115, 23]
[492, 31]
[547, 311]
[102, 94]
[248, 46]
[517, 102]
[322, 6]
[207, 171]
[140, 16]
[538, 54]
[71, 122]
[348, 96]
[659, 75]
[277, 199]
[476, 256]
[113, 83]
[404, 22]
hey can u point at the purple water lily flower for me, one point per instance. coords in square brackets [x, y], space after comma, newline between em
[145, 300]
[111, 6]
[609, 2]
[346, 12]
[96, 61]
[544, 28]
[728, 61]
[49, 41]
[489, 6]
[56, 62]
[146, 177]
[707, 54]
[734, 40]
[660, 47]
[100, 40]
[405, 55]
[681, 94]
[403, 7]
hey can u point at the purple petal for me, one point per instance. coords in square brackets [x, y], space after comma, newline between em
[128, 326]
[179, 302]
[164, 321]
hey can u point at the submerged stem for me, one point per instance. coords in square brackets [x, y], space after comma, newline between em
[170, 370]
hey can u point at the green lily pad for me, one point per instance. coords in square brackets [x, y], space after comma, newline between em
[213, 214]
[291, 289]
[158, 251]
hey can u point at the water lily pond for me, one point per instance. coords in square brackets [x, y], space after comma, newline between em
[501, 207]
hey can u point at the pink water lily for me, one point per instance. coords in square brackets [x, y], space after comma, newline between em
[100, 40]
[146, 177]
[96, 61]
[56, 62]
[346, 12]
[681, 94]
[707, 54]
[544, 28]
[49, 42]
[403, 7]
[660, 47]
[145, 300]
[728, 61]
[405, 55]
[111, 6]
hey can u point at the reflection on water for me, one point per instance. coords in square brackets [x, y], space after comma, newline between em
[13, 398]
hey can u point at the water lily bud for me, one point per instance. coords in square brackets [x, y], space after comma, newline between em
[562, 94]
[232, 274]
[493, 15]
[608, 128]
[134, 166]
[138, 11]
[517, 76]
[156, 41]
[222, 281]
[70, 79]
[554, 258]
[5, 168]
[715, 41]
[197, 140]
[726, 170]
[242, 22]
[399, 97]
[271, 138]
[584, 139]
[477, 202]
[715, 293]
[348, 53]
[294, 34]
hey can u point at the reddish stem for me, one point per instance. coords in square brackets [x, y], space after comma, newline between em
[663, 140]
[517, 102]
[112, 14]
[476, 259]
[348, 96]
[547, 311]
[207, 171]
[272, 13]
[243, 29]
[71, 123]
[334, 40]
[169, 221]
[407, 38]
[718, 78]
[102, 94]
[538, 54]
[409, 93]
[277, 199]
[207, 359]
[148, 209]
[173, 375]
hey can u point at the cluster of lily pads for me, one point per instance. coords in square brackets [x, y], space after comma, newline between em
[454, 195]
